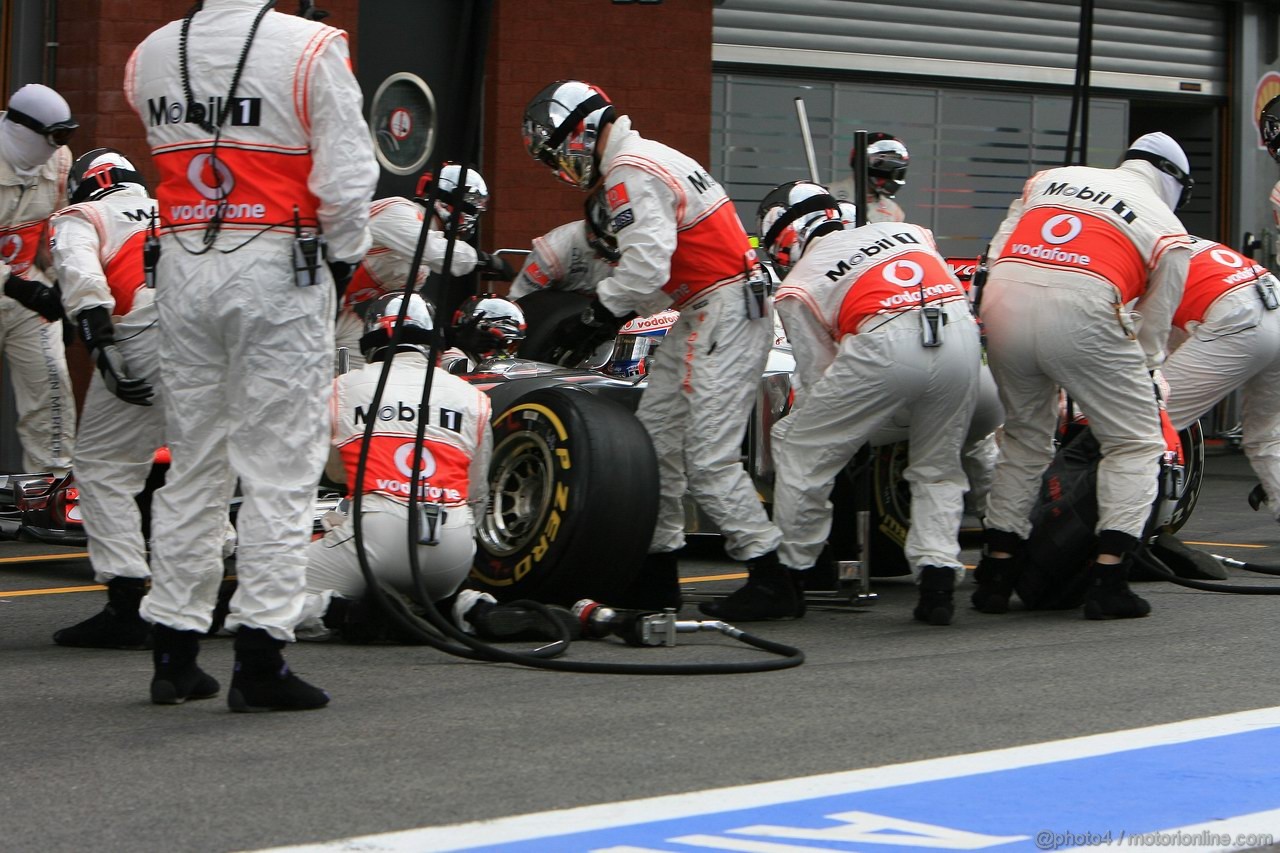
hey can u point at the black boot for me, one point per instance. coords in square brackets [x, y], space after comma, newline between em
[177, 677]
[656, 587]
[772, 591]
[937, 588]
[116, 626]
[262, 680]
[996, 577]
[1109, 595]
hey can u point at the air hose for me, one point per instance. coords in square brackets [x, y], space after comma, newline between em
[1158, 568]
[436, 630]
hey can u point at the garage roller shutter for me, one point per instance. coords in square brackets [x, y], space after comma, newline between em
[1147, 45]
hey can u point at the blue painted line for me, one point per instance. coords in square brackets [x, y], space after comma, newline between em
[1221, 773]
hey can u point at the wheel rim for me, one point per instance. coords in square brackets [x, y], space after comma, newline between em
[520, 490]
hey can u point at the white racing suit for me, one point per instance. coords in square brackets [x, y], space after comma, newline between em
[561, 259]
[852, 309]
[684, 247]
[1079, 251]
[457, 445]
[30, 346]
[879, 208]
[246, 353]
[394, 227]
[1232, 341]
[97, 254]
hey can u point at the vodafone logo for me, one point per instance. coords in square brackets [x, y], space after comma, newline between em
[211, 177]
[10, 246]
[1227, 258]
[403, 459]
[904, 273]
[1060, 229]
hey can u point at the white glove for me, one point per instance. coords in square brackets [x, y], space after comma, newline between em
[1161, 387]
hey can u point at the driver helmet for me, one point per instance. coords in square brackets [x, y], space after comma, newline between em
[887, 160]
[470, 202]
[99, 173]
[381, 318]
[562, 125]
[1269, 127]
[793, 214]
[599, 226]
[488, 326]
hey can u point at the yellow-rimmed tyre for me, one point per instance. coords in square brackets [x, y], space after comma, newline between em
[573, 498]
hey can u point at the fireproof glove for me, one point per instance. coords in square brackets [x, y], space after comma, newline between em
[1161, 387]
[40, 298]
[581, 333]
[98, 335]
[493, 267]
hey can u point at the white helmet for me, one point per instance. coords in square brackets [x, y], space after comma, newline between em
[887, 161]
[1161, 151]
[100, 172]
[562, 125]
[382, 317]
[472, 201]
[793, 214]
[488, 326]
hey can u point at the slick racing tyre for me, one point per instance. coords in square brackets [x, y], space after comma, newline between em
[890, 504]
[573, 499]
[1192, 439]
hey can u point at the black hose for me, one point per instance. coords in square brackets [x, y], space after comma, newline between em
[1157, 567]
[1256, 568]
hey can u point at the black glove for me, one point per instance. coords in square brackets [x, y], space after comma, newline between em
[40, 298]
[99, 336]
[341, 272]
[493, 267]
[582, 333]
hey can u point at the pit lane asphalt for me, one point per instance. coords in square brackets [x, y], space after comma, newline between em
[414, 738]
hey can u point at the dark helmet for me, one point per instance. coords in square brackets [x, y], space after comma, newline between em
[1269, 127]
[887, 160]
[469, 203]
[600, 234]
[98, 173]
[380, 320]
[793, 214]
[562, 125]
[488, 326]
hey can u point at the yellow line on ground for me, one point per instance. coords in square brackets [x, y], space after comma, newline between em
[1226, 544]
[735, 576]
[45, 558]
[53, 591]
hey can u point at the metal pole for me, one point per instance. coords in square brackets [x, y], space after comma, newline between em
[860, 175]
[809, 155]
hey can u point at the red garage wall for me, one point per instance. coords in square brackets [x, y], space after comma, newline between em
[654, 61]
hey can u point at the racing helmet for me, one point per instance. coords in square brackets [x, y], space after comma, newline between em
[1161, 151]
[599, 225]
[887, 160]
[1269, 127]
[471, 201]
[380, 320]
[99, 173]
[562, 125]
[793, 214]
[488, 326]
